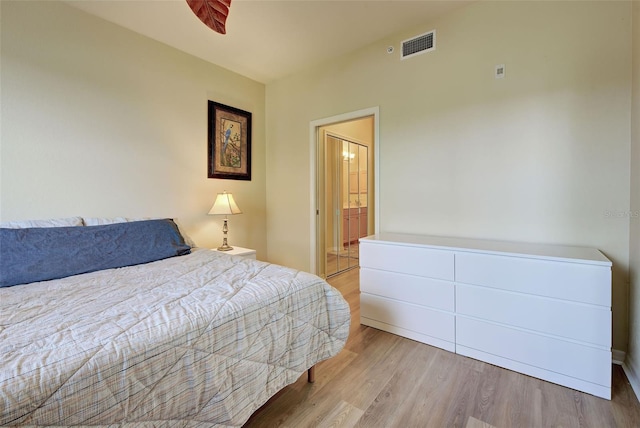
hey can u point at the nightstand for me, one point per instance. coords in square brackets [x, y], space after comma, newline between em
[239, 251]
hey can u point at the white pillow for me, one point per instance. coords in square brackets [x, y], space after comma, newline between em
[53, 222]
[187, 239]
[97, 221]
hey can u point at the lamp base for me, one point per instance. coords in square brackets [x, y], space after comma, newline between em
[225, 229]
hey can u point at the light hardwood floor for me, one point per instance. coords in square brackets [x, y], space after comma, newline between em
[383, 380]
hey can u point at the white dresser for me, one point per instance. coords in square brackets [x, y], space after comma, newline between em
[542, 310]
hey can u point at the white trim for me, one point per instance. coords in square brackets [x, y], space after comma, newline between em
[313, 126]
[618, 356]
[633, 377]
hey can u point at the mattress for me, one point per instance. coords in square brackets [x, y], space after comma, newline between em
[202, 339]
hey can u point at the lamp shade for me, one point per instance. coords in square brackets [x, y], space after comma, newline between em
[224, 205]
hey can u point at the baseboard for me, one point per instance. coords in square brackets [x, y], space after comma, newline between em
[632, 375]
[617, 357]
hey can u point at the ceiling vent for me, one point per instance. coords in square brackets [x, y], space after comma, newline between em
[418, 45]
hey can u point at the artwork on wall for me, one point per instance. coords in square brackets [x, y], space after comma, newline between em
[229, 142]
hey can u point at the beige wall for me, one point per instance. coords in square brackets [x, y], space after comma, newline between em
[541, 155]
[633, 356]
[358, 130]
[99, 121]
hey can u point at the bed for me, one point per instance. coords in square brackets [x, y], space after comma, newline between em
[199, 338]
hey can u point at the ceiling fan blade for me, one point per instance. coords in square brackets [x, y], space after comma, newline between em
[212, 12]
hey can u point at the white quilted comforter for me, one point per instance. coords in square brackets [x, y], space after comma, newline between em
[198, 340]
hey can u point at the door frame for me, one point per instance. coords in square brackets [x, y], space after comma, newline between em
[313, 162]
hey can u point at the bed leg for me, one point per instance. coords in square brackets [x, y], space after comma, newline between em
[311, 374]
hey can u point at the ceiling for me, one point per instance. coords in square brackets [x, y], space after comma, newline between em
[267, 39]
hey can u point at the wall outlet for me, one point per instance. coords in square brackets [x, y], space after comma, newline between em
[500, 71]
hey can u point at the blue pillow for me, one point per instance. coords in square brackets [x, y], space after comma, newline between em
[39, 254]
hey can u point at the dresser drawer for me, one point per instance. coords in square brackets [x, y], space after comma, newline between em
[570, 281]
[576, 321]
[408, 316]
[568, 358]
[408, 260]
[423, 291]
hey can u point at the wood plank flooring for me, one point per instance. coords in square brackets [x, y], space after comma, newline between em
[383, 380]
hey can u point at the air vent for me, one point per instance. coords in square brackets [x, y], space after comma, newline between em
[418, 45]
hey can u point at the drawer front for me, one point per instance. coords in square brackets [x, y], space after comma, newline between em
[570, 281]
[423, 291]
[576, 321]
[409, 260]
[408, 316]
[567, 358]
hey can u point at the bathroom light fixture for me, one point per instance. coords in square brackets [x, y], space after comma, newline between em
[348, 156]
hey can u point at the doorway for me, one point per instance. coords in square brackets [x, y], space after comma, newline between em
[344, 176]
[346, 194]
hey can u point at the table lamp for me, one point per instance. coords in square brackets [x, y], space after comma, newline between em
[224, 205]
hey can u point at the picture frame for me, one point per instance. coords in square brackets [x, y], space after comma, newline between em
[229, 142]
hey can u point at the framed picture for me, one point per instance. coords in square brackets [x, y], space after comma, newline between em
[229, 142]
